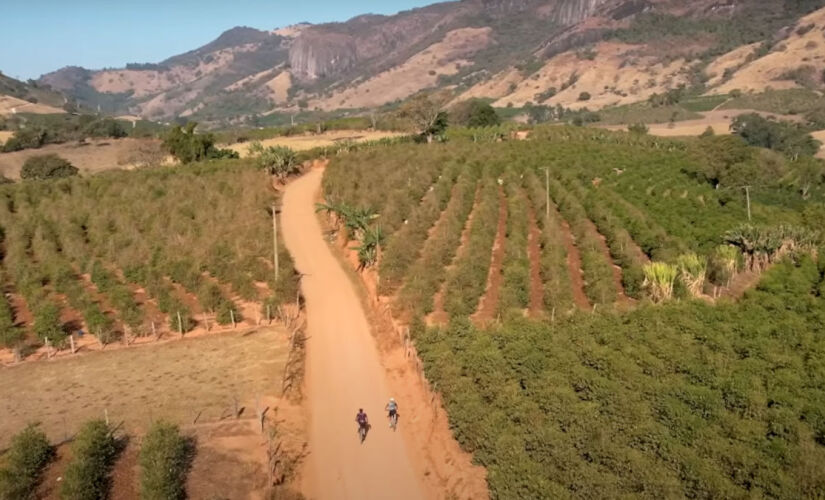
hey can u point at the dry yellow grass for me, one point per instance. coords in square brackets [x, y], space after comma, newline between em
[92, 156]
[279, 86]
[5, 135]
[175, 381]
[310, 141]
[820, 136]
[736, 57]
[617, 75]
[789, 54]
[8, 106]
[418, 72]
[719, 121]
[496, 87]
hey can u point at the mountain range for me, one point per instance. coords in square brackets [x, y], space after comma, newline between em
[574, 53]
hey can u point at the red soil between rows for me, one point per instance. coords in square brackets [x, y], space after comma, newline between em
[617, 271]
[574, 266]
[488, 304]
[536, 304]
[439, 316]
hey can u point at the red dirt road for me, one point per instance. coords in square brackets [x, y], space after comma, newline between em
[343, 372]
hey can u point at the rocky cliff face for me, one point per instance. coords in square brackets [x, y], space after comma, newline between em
[316, 55]
[569, 12]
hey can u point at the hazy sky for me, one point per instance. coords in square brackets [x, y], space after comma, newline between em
[39, 36]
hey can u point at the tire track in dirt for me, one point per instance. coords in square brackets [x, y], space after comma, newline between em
[536, 304]
[439, 316]
[489, 301]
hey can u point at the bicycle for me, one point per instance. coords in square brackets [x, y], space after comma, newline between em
[362, 432]
[393, 420]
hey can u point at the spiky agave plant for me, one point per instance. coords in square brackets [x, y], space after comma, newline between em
[692, 271]
[659, 278]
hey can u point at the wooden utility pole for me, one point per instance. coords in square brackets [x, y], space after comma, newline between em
[748, 197]
[275, 241]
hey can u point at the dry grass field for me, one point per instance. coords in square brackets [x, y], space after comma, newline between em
[719, 121]
[177, 381]
[310, 141]
[9, 105]
[5, 135]
[820, 135]
[90, 156]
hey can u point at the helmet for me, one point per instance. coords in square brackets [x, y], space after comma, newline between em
[392, 399]
[360, 410]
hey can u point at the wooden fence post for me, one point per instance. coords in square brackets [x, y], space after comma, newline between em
[232, 315]
[180, 325]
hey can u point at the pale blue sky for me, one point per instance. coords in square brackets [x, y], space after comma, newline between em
[38, 36]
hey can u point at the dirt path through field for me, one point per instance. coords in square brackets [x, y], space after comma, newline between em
[574, 266]
[343, 371]
[488, 305]
[534, 251]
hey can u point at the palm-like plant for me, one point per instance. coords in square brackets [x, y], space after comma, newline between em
[693, 270]
[370, 247]
[659, 278]
[762, 246]
[279, 161]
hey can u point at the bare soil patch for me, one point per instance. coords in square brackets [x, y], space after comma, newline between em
[178, 380]
[489, 301]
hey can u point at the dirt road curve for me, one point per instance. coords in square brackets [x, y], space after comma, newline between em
[343, 371]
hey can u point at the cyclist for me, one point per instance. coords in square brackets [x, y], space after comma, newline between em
[392, 409]
[361, 418]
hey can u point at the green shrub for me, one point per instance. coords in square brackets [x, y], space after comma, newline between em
[638, 128]
[94, 450]
[23, 463]
[584, 96]
[165, 458]
[105, 127]
[26, 138]
[47, 324]
[226, 312]
[48, 166]
[474, 113]
[188, 146]
[279, 161]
